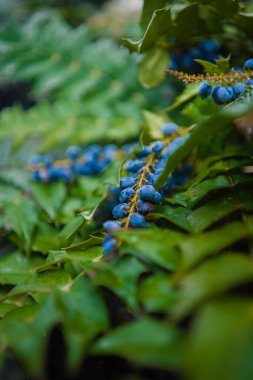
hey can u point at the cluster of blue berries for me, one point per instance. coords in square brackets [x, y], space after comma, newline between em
[91, 161]
[184, 59]
[226, 94]
[137, 194]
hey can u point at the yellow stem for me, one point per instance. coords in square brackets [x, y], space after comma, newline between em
[139, 184]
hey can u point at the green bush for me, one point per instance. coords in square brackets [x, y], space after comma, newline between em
[175, 300]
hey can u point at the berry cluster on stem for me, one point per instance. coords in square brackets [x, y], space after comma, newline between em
[138, 195]
[223, 88]
[91, 161]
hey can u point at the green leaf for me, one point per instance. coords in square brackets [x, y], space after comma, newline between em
[201, 133]
[84, 259]
[215, 276]
[217, 209]
[15, 268]
[50, 197]
[176, 215]
[199, 246]
[83, 316]
[156, 293]
[195, 194]
[222, 66]
[84, 244]
[71, 229]
[152, 67]
[22, 218]
[43, 282]
[121, 277]
[187, 94]
[160, 25]
[147, 342]
[152, 127]
[148, 8]
[220, 342]
[158, 246]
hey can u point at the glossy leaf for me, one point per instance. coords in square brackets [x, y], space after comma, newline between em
[157, 247]
[146, 341]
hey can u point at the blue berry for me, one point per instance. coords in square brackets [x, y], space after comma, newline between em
[157, 147]
[209, 46]
[161, 163]
[171, 148]
[48, 160]
[109, 244]
[127, 182]
[249, 82]
[110, 150]
[170, 184]
[63, 173]
[205, 90]
[145, 207]
[133, 166]
[137, 220]
[169, 128]
[249, 64]
[223, 95]
[43, 175]
[126, 194]
[111, 225]
[238, 89]
[214, 94]
[120, 211]
[157, 197]
[147, 192]
[178, 141]
[93, 150]
[35, 159]
[144, 152]
[74, 152]
[84, 168]
[128, 148]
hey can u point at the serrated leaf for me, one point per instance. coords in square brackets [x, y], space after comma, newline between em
[159, 25]
[148, 8]
[221, 66]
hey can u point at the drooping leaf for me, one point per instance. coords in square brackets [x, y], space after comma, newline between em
[146, 342]
[157, 246]
[224, 349]
[215, 276]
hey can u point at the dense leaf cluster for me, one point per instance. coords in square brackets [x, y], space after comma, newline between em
[175, 301]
